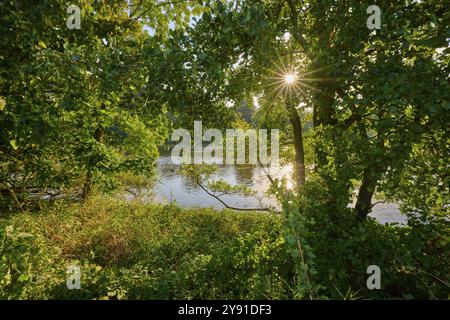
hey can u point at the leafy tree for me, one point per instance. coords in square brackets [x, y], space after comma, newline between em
[373, 94]
[379, 112]
[73, 110]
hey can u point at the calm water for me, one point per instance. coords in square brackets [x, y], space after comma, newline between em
[173, 187]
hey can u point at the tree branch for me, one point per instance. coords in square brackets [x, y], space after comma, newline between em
[228, 206]
[296, 33]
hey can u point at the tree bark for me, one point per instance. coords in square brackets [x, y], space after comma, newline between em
[87, 187]
[364, 203]
[298, 142]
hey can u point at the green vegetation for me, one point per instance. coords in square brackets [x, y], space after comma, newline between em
[135, 251]
[363, 114]
[130, 250]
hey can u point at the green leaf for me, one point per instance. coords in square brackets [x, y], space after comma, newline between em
[2, 103]
[42, 44]
[13, 144]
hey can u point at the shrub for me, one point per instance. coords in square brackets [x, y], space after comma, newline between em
[147, 251]
[337, 249]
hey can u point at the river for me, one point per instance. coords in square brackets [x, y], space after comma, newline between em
[171, 186]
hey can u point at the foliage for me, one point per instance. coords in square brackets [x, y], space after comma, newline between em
[337, 250]
[203, 174]
[17, 254]
[87, 109]
[379, 108]
[147, 251]
[136, 251]
[72, 105]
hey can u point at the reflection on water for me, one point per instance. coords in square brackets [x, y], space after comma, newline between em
[173, 187]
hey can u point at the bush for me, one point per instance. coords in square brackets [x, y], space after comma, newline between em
[332, 250]
[146, 251]
[130, 250]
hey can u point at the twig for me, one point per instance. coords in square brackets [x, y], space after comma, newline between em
[373, 205]
[433, 276]
[15, 198]
[266, 173]
[228, 206]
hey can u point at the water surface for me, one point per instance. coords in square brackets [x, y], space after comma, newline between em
[171, 186]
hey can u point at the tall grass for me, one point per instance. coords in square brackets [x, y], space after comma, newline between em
[135, 250]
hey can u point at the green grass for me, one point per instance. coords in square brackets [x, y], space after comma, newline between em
[130, 250]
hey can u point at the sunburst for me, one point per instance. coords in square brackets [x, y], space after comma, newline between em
[287, 79]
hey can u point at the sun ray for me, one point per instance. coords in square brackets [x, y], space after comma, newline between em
[285, 77]
[309, 86]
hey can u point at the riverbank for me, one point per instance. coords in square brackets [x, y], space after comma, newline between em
[130, 250]
[107, 248]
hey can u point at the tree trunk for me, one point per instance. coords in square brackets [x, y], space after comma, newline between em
[298, 142]
[323, 112]
[364, 203]
[371, 175]
[87, 187]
